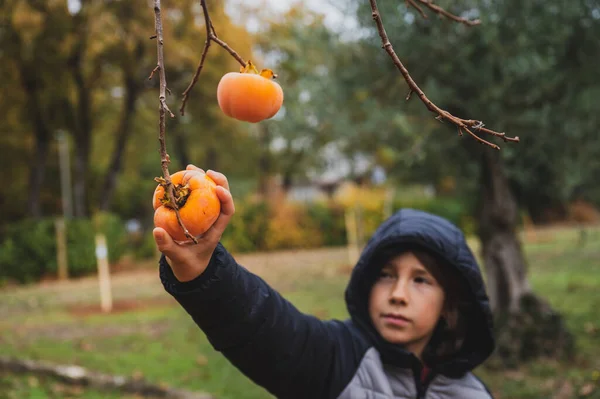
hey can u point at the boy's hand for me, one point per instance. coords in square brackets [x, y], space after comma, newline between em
[189, 260]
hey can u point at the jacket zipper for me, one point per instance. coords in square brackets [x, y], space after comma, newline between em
[422, 386]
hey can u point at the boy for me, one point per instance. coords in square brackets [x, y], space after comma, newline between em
[420, 320]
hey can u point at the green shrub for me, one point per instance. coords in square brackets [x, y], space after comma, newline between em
[255, 224]
[329, 217]
[255, 215]
[28, 251]
[259, 225]
[452, 209]
[236, 237]
[290, 228]
[142, 245]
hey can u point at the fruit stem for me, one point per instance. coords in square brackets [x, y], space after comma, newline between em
[251, 68]
[180, 194]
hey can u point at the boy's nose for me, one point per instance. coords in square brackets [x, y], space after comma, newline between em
[399, 293]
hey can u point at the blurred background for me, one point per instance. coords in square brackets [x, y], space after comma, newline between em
[78, 133]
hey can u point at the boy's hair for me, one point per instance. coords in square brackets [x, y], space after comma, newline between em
[449, 333]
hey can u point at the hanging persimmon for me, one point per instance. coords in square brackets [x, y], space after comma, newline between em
[249, 95]
[197, 201]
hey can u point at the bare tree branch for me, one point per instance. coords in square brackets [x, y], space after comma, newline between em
[163, 109]
[440, 11]
[211, 36]
[463, 125]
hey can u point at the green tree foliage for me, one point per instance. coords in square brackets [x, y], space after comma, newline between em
[86, 72]
[299, 47]
[526, 70]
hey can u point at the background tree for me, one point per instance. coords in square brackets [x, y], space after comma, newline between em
[505, 72]
[129, 52]
[32, 34]
[299, 47]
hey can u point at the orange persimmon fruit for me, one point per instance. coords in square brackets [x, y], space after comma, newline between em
[249, 95]
[197, 201]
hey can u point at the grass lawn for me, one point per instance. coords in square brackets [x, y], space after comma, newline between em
[149, 336]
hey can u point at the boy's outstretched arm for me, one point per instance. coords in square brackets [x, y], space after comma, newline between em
[291, 354]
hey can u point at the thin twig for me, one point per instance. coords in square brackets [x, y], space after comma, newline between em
[440, 11]
[417, 7]
[229, 49]
[163, 109]
[211, 36]
[156, 68]
[461, 124]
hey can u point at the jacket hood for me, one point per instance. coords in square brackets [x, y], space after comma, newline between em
[409, 228]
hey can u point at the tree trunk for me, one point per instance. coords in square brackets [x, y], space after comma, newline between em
[503, 257]
[286, 183]
[132, 89]
[527, 326]
[32, 85]
[82, 129]
[292, 160]
[42, 141]
[38, 170]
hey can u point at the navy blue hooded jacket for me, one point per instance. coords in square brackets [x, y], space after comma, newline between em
[294, 355]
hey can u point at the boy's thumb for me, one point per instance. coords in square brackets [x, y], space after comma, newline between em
[162, 239]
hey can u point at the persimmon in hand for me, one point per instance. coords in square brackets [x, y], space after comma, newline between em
[248, 95]
[197, 201]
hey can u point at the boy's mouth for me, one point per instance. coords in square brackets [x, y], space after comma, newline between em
[395, 318]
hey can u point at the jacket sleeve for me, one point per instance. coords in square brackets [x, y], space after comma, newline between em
[290, 354]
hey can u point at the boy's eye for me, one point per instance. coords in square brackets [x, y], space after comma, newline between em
[422, 280]
[385, 275]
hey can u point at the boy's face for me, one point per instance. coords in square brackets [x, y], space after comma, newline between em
[406, 303]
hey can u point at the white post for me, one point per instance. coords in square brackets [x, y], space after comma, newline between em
[103, 273]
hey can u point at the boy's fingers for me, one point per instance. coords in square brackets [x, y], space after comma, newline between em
[216, 231]
[219, 178]
[227, 211]
[163, 240]
[227, 205]
[193, 167]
